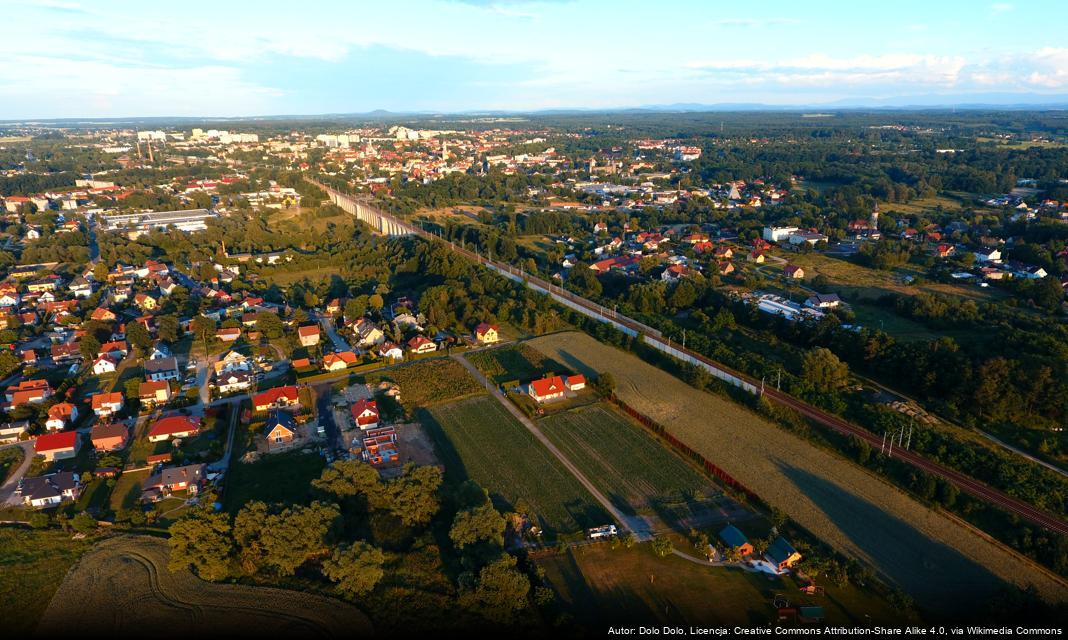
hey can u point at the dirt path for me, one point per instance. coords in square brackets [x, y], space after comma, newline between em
[637, 525]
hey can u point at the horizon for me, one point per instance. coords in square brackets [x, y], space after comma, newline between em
[116, 60]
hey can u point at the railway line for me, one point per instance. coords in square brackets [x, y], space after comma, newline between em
[391, 225]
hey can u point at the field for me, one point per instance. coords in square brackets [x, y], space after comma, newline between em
[513, 363]
[943, 564]
[32, 565]
[122, 587]
[478, 439]
[281, 477]
[429, 382]
[634, 469]
[599, 585]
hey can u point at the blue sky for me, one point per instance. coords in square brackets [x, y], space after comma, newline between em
[100, 58]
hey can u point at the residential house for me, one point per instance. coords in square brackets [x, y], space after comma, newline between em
[390, 350]
[234, 381]
[421, 344]
[365, 414]
[49, 490]
[276, 398]
[103, 314]
[57, 446]
[309, 335]
[61, 415]
[232, 361]
[794, 272]
[339, 361]
[117, 349]
[487, 333]
[736, 541]
[546, 389]
[162, 369]
[106, 405]
[109, 436]
[189, 478]
[28, 392]
[782, 554]
[12, 431]
[755, 256]
[146, 302]
[823, 301]
[105, 364]
[280, 429]
[230, 334]
[154, 393]
[173, 427]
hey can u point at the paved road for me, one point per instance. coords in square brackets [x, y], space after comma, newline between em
[637, 525]
[7, 491]
[328, 326]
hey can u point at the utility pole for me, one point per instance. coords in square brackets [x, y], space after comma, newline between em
[684, 339]
[890, 451]
[778, 380]
[882, 447]
[762, 387]
[909, 442]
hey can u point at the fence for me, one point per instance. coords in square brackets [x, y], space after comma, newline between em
[681, 447]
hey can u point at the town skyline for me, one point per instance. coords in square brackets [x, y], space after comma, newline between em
[530, 56]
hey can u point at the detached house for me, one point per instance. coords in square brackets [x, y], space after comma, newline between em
[153, 393]
[276, 398]
[57, 446]
[49, 490]
[421, 344]
[487, 333]
[309, 335]
[173, 427]
[188, 478]
[60, 415]
[546, 389]
[105, 364]
[106, 405]
[365, 414]
[339, 361]
[162, 369]
[280, 429]
[782, 554]
[109, 437]
[736, 540]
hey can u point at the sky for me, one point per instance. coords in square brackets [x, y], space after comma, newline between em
[118, 58]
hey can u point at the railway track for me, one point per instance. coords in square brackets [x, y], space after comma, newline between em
[962, 481]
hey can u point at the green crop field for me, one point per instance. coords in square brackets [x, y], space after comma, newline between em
[478, 439]
[429, 382]
[32, 565]
[631, 466]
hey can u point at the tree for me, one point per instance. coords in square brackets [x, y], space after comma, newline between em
[270, 324]
[356, 307]
[482, 523]
[823, 371]
[100, 271]
[204, 330]
[89, 347]
[662, 546]
[347, 478]
[83, 523]
[413, 496]
[284, 541]
[202, 542]
[501, 592]
[167, 328]
[138, 336]
[376, 302]
[356, 569]
[9, 363]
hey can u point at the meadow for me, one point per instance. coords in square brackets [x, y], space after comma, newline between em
[429, 382]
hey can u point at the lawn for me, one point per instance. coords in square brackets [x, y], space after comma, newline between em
[479, 440]
[127, 491]
[429, 382]
[10, 459]
[514, 363]
[630, 465]
[32, 566]
[941, 563]
[282, 477]
[599, 585]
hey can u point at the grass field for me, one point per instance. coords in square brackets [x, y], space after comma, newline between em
[633, 586]
[281, 477]
[10, 459]
[123, 587]
[429, 382]
[943, 564]
[127, 491]
[632, 467]
[32, 565]
[518, 362]
[478, 439]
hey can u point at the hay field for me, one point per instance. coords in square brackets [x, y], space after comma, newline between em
[943, 564]
[122, 588]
